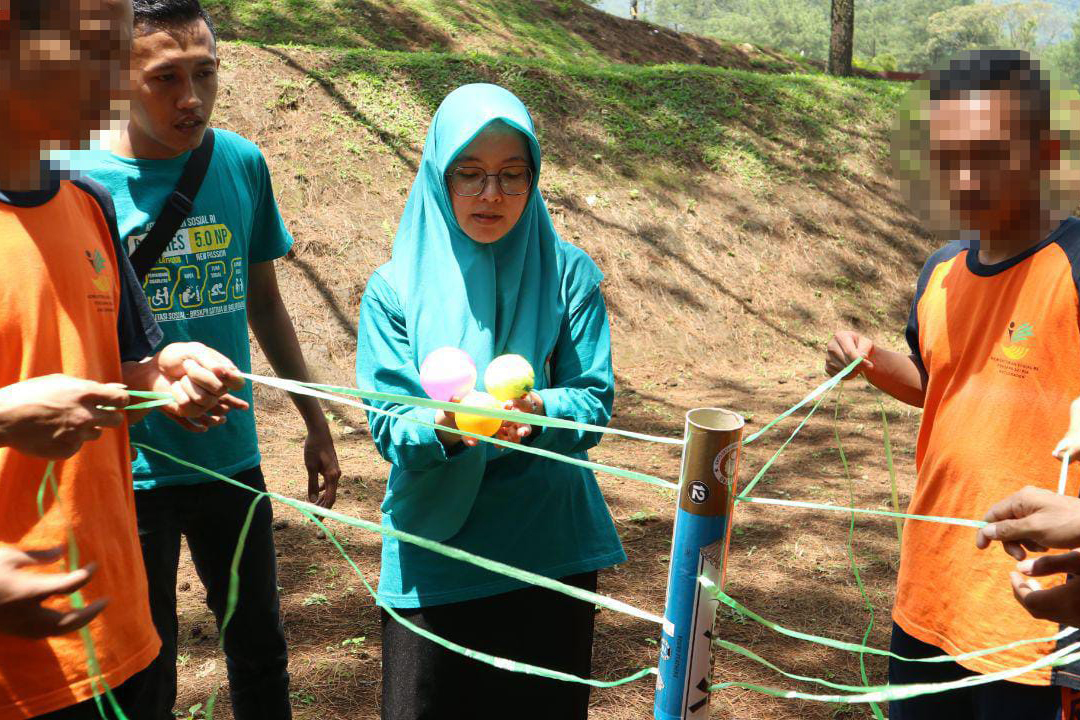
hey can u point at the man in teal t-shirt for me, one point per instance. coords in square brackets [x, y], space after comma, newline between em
[214, 279]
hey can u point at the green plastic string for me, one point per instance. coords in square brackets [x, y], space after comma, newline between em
[311, 512]
[150, 404]
[149, 395]
[293, 387]
[498, 662]
[815, 394]
[858, 694]
[97, 681]
[751, 655]
[862, 511]
[234, 569]
[880, 693]
[765, 468]
[497, 413]
[892, 470]
[153, 400]
[863, 648]
[889, 693]
[851, 552]
[494, 566]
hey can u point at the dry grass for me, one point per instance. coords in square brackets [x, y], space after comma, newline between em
[725, 276]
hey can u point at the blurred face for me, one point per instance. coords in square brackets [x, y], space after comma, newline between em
[174, 78]
[61, 75]
[988, 158]
[498, 160]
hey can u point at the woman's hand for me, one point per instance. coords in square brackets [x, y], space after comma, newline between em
[509, 432]
[449, 420]
[517, 432]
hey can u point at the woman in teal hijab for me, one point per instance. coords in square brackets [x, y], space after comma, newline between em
[477, 265]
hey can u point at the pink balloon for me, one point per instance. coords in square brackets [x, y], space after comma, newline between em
[447, 372]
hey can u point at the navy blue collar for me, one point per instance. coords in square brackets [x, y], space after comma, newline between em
[984, 270]
[50, 185]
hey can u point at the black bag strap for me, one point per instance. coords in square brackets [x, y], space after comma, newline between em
[176, 210]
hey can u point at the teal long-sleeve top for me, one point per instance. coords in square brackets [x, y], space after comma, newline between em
[530, 512]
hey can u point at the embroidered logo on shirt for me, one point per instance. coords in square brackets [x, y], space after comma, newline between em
[1016, 349]
[1018, 346]
[97, 262]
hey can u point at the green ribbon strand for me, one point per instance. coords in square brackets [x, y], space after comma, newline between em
[153, 400]
[765, 468]
[850, 693]
[234, 568]
[93, 669]
[862, 511]
[494, 566]
[815, 394]
[312, 513]
[499, 662]
[888, 693]
[851, 552]
[293, 387]
[499, 414]
[862, 648]
[893, 491]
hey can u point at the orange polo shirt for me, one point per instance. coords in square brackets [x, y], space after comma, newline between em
[1001, 348]
[62, 309]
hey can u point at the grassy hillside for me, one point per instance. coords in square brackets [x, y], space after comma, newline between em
[739, 217]
[565, 31]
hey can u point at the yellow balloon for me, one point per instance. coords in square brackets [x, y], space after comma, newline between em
[509, 377]
[479, 424]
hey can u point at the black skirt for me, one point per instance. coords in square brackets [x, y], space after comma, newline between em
[423, 681]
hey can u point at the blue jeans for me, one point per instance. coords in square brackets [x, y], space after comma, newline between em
[1000, 700]
[210, 515]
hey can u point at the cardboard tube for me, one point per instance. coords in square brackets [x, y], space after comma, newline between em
[708, 485]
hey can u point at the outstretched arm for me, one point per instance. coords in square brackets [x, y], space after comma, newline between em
[273, 328]
[896, 374]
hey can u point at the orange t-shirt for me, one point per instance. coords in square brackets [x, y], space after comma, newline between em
[1001, 348]
[60, 295]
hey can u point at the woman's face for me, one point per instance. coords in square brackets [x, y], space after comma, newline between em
[489, 216]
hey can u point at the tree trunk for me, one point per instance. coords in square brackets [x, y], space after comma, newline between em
[843, 35]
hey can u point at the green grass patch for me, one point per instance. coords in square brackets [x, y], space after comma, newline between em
[757, 128]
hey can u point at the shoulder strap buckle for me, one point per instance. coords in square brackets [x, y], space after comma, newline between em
[181, 202]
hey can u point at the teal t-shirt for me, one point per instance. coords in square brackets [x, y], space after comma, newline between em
[198, 289]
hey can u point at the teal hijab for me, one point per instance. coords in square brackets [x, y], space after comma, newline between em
[486, 299]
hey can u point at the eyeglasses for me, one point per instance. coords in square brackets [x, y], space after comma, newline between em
[472, 181]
